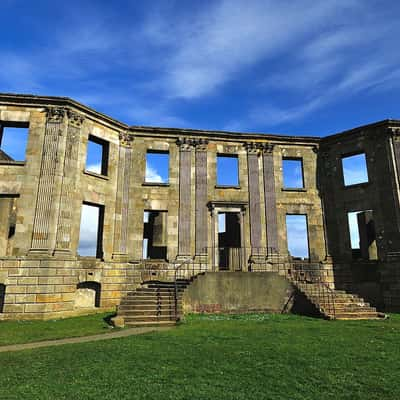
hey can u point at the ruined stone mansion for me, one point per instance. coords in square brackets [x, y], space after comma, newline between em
[143, 225]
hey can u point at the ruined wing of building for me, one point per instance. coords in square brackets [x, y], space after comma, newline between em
[87, 223]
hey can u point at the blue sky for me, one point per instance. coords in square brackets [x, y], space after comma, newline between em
[304, 67]
[301, 67]
[297, 236]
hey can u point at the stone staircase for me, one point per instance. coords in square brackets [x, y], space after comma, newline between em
[337, 304]
[153, 303]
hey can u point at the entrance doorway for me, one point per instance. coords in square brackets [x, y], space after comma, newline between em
[229, 241]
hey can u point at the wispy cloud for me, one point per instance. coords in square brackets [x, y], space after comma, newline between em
[215, 45]
[181, 64]
[152, 175]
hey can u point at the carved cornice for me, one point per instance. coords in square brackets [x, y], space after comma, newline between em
[55, 114]
[315, 149]
[125, 139]
[267, 148]
[252, 147]
[185, 144]
[394, 133]
[201, 144]
[75, 119]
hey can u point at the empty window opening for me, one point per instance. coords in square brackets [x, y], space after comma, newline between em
[292, 173]
[13, 141]
[8, 220]
[297, 236]
[155, 235]
[362, 235]
[157, 166]
[97, 155]
[87, 295]
[91, 231]
[229, 241]
[227, 170]
[2, 296]
[355, 169]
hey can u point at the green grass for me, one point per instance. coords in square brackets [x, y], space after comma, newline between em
[219, 357]
[15, 332]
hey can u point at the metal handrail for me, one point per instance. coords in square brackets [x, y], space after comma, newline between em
[313, 275]
[187, 261]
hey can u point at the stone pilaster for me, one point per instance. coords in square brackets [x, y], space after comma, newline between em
[254, 197]
[49, 185]
[185, 181]
[69, 185]
[270, 198]
[201, 198]
[122, 197]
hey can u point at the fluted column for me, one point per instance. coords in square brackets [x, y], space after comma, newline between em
[254, 197]
[270, 197]
[122, 197]
[49, 187]
[185, 181]
[69, 185]
[201, 198]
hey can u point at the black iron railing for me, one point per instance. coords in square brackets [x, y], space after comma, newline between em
[311, 277]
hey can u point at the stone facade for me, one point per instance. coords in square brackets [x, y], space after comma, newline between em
[43, 275]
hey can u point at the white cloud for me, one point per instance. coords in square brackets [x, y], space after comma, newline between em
[88, 231]
[152, 175]
[96, 168]
[229, 36]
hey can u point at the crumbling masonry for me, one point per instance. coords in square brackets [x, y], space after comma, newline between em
[41, 198]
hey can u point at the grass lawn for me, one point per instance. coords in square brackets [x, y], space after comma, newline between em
[14, 332]
[219, 357]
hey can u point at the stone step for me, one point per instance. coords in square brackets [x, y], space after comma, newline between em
[167, 285]
[141, 307]
[145, 306]
[148, 313]
[145, 318]
[359, 315]
[149, 305]
[338, 301]
[347, 310]
[153, 294]
[150, 323]
[157, 290]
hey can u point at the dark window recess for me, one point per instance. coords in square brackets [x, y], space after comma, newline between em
[8, 220]
[297, 236]
[2, 296]
[227, 170]
[355, 169]
[292, 173]
[97, 155]
[95, 286]
[91, 231]
[155, 235]
[13, 141]
[229, 241]
[157, 166]
[362, 235]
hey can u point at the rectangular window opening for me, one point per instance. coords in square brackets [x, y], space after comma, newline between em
[354, 169]
[229, 241]
[362, 235]
[157, 167]
[292, 173]
[91, 231]
[97, 155]
[297, 236]
[155, 235]
[8, 221]
[227, 170]
[13, 141]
